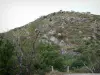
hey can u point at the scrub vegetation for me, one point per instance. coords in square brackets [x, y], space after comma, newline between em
[53, 42]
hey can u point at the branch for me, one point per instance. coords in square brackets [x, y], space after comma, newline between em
[88, 68]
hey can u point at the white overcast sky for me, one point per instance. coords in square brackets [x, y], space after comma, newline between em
[16, 13]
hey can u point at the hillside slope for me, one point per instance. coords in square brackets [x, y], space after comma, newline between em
[64, 28]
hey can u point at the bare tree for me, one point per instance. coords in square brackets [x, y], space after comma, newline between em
[19, 52]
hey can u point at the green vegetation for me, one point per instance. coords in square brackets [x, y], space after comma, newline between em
[6, 57]
[60, 39]
[49, 55]
[90, 56]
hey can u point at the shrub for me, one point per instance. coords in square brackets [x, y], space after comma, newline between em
[49, 55]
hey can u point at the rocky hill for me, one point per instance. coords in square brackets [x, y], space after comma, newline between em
[70, 43]
[64, 28]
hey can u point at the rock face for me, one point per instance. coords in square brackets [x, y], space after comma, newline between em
[64, 28]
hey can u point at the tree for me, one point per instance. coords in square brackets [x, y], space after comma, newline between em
[6, 57]
[49, 55]
[25, 56]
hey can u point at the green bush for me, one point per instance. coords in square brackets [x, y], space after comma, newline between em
[49, 55]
